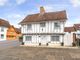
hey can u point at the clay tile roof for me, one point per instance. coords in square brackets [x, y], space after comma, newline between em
[69, 29]
[49, 16]
[77, 26]
[4, 23]
[18, 30]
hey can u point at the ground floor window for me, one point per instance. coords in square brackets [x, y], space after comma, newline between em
[28, 38]
[2, 36]
[55, 38]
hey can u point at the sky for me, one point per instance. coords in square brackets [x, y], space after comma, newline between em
[15, 11]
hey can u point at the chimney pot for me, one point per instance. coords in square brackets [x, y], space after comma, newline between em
[42, 10]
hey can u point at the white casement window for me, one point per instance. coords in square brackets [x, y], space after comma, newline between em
[29, 26]
[28, 38]
[55, 38]
[2, 36]
[2, 29]
[56, 25]
[42, 24]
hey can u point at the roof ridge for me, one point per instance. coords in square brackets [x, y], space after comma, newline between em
[48, 12]
[58, 15]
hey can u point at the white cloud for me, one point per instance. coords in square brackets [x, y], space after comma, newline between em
[69, 23]
[49, 8]
[53, 8]
[15, 18]
[3, 2]
[20, 1]
[75, 3]
[72, 22]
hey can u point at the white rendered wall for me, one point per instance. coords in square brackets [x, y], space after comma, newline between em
[4, 33]
[36, 39]
[68, 39]
[49, 28]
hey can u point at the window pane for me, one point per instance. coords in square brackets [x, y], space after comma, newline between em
[28, 38]
[55, 38]
[42, 24]
[56, 25]
[2, 29]
[2, 36]
[29, 26]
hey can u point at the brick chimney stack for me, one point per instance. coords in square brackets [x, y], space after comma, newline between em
[42, 10]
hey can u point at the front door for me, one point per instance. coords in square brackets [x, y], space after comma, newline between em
[78, 42]
[43, 39]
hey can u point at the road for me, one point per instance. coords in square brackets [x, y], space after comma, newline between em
[9, 43]
[39, 53]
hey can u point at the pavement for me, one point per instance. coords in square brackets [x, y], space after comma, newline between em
[68, 47]
[39, 53]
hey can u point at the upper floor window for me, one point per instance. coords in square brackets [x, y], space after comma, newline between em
[42, 24]
[2, 29]
[56, 25]
[29, 26]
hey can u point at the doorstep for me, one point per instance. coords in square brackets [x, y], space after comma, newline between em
[66, 47]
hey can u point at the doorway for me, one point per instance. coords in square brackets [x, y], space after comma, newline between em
[78, 42]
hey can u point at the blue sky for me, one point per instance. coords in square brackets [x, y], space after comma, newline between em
[16, 10]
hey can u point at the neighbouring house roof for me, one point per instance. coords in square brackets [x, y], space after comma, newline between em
[17, 30]
[4, 23]
[46, 16]
[77, 26]
[69, 29]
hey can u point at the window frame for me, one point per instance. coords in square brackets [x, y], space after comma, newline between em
[2, 29]
[29, 26]
[43, 24]
[56, 25]
[2, 37]
[57, 38]
[28, 38]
